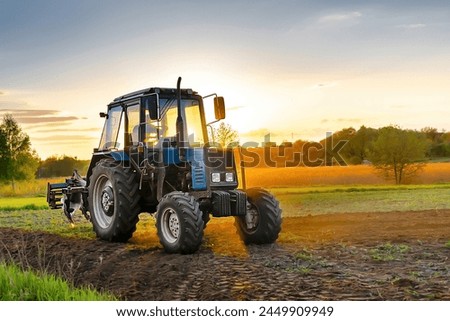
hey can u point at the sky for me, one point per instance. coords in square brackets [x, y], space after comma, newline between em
[296, 69]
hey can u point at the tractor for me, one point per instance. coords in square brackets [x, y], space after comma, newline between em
[155, 157]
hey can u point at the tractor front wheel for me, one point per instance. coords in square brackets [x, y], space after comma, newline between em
[262, 223]
[179, 223]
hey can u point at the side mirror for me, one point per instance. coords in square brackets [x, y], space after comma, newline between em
[219, 108]
[151, 103]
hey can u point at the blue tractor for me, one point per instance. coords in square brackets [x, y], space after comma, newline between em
[154, 157]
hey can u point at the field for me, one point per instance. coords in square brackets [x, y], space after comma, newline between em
[341, 239]
[433, 173]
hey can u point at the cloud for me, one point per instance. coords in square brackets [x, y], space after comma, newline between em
[37, 116]
[413, 26]
[37, 120]
[260, 132]
[340, 17]
[64, 138]
[29, 112]
[59, 129]
[235, 108]
[324, 85]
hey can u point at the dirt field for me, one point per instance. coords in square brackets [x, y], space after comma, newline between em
[363, 256]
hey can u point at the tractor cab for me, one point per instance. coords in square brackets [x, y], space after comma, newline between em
[147, 116]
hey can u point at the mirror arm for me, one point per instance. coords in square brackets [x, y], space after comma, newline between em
[207, 96]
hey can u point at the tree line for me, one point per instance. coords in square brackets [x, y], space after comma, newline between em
[397, 153]
[18, 161]
[367, 144]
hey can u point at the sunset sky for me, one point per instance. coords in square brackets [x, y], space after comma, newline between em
[294, 68]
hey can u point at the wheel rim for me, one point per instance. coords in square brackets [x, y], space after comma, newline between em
[103, 201]
[170, 225]
[251, 218]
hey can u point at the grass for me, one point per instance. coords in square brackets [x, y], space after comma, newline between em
[36, 187]
[388, 252]
[51, 221]
[25, 285]
[32, 213]
[303, 255]
[23, 203]
[303, 270]
[327, 200]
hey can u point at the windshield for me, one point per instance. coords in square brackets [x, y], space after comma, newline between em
[192, 117]
[112, 136]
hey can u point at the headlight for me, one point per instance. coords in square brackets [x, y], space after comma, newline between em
[229, 177]
[215, 177]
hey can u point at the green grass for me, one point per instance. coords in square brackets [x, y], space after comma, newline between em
[355, 188]
[51, 221]
[327, 200]
[25, 285]
[388, 252]
[23, 203]
[36, 187]
[32, 213]
[303, 255]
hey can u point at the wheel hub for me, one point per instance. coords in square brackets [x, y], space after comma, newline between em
[251, 217]
[107, 200]
[174, 225]
[170, 225]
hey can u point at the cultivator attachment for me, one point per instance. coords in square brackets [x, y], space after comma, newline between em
[55, 194]
[70, 196]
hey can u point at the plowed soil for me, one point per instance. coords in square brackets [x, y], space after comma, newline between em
[362, 256]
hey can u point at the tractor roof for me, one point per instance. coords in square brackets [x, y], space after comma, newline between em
[152, 90]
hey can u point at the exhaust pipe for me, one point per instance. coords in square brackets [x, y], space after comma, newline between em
[180, 126]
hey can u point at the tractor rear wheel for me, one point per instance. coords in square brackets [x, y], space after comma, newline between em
[179, 223]
[262, 223]
[113, 201]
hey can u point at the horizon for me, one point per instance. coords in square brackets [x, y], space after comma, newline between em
[297, 69]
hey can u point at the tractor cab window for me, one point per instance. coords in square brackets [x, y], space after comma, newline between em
[110, 136]
[152, 128]
[192, 117]
[133, 113]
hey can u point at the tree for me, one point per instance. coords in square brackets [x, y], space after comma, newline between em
[335, 147]
[359, 145]
[17, 160]
[396, 153]
[437, 144]
[225, 135]
[57, 166]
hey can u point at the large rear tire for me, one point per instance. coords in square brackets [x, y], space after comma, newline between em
[113, 201]
[179, 223]
[262, 223]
